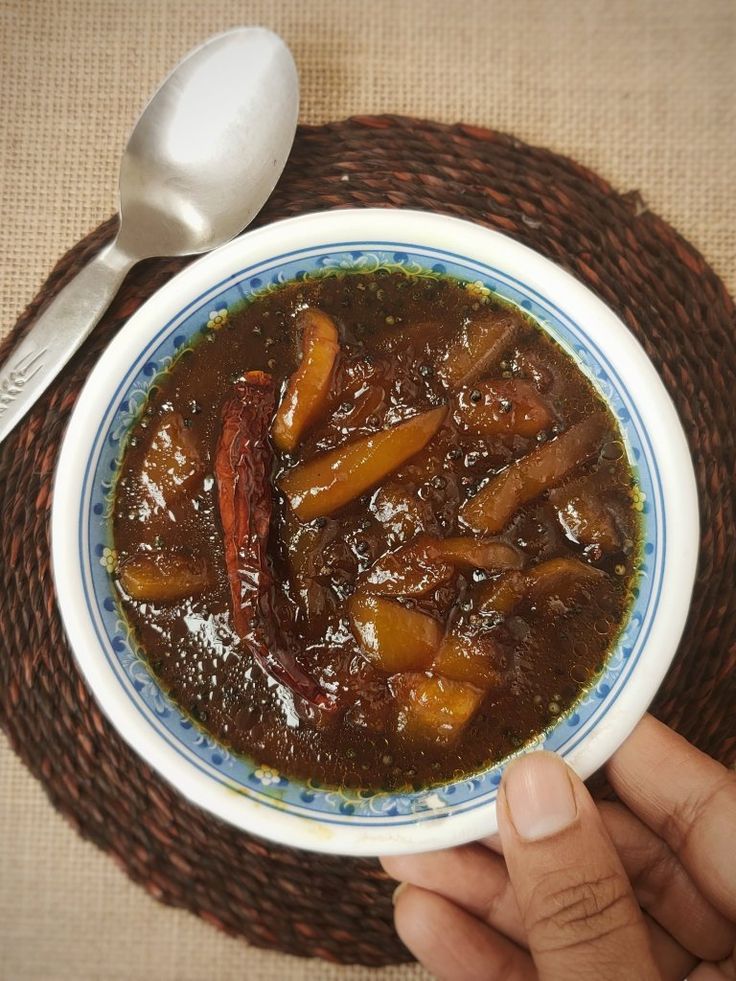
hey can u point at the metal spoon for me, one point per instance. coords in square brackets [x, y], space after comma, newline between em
[200, 163]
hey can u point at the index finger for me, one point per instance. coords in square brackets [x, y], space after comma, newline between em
[688, 799]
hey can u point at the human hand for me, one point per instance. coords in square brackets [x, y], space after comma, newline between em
[644, 888]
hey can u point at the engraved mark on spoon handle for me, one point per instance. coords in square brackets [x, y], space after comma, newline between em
[58, 332]
[15, 376]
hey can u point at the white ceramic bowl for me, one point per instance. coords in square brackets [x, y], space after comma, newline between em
[244, 792]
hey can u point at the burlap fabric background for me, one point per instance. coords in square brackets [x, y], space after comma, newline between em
[643, 92]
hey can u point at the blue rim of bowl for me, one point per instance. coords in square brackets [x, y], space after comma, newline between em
[261, 782]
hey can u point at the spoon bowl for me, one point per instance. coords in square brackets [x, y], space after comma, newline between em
[209, 147]
[200, 163]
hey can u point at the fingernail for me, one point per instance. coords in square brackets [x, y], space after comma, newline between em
[539, 795]
[398, 891]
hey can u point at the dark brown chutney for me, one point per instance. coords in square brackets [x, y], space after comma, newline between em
[449, 610]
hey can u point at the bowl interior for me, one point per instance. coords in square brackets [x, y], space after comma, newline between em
[96, 548]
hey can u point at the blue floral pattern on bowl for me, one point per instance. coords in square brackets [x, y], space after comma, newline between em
[260, 781]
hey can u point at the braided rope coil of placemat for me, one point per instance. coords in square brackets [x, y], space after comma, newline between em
[672, 301]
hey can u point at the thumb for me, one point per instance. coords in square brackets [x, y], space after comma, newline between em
[577, 905]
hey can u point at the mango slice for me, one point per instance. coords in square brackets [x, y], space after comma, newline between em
[358, 396]
[419, 338]
[305, 544]
[583, 513]
[434, 710]
[477, 554]
[391, 637]
[557, 577]
[414, 569]
[503, 407]
[329, 481]
[467, 657]
[172, 464]
[367, 404]
[306, 393]
[164, 577]
[502, 594]
[402, 513]
[478, 346]
[491, 509]
[425, 563]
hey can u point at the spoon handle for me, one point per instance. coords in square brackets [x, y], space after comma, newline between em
[58, 333]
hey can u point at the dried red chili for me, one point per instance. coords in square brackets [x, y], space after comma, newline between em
[243, 473]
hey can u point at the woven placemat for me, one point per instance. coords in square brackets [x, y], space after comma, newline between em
[276, 897]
